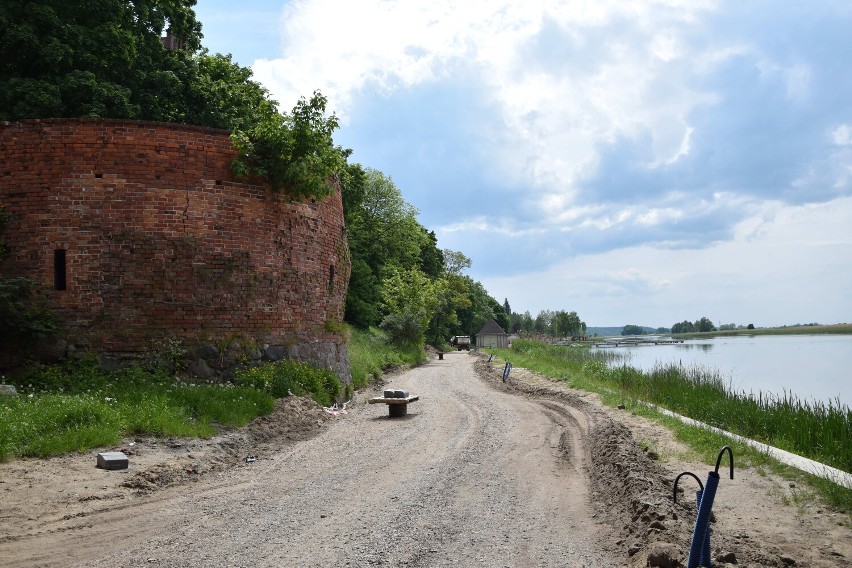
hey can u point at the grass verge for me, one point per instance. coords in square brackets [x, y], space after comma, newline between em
[76, 406]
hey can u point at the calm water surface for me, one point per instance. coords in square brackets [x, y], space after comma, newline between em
[812, 367]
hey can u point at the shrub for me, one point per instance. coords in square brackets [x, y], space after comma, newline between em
[282, 378]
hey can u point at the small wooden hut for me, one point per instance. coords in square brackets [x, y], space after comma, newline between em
[492, 335]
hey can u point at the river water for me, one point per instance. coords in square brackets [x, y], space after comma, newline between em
[811, 367]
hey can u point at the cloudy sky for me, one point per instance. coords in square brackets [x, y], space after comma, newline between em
[638, 162]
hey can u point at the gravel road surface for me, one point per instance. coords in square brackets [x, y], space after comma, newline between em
[470, 477]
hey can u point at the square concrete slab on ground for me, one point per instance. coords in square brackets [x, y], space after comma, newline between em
[112, 460]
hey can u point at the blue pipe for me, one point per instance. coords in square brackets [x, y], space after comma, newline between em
[701, 533]
[699, 548]
[705, 549]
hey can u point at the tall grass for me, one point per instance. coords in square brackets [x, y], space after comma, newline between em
[77, 406]
[813, 429]
[555, 361]
[370, 354]
[817, 430]
[282, 378]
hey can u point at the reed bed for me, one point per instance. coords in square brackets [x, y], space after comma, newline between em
[818, 430]
[821, 431]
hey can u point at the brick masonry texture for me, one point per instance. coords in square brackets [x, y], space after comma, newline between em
[161, 240]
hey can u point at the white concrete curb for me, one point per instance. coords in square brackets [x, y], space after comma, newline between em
[834, 475]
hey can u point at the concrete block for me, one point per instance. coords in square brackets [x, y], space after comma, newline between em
[112, 460]
[396, 393]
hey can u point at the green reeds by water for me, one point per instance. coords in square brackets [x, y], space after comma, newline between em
[821, 431]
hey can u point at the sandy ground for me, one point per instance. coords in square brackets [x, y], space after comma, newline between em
[479, 473]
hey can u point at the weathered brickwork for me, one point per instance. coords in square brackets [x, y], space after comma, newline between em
[161, 239]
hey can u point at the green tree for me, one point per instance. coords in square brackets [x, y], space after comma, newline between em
[409, 300]
[543, 321]
[105, 59]
[451, 293]
[478, 310]
[565, 323]
[101, 58]
[633, 330]
[455, 262]
[384, 235]
[295, 151]
[219, 93]
[431, 258]
[527, 322]
[704, 325]
[516, 323]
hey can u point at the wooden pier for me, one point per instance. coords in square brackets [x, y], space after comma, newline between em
[633, 340]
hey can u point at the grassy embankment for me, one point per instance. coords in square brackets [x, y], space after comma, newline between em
[77, 406]
[821, 432]
[370, 355]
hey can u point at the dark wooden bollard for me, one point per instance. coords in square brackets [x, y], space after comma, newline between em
[440, 356]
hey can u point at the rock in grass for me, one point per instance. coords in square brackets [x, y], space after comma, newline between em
[8, 390]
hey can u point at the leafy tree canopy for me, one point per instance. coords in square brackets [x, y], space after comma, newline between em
[105, 59]
[384, 237]
[101, 58]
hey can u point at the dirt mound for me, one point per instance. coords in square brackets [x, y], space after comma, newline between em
[294, 419]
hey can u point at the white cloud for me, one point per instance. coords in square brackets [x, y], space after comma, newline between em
[482, 225]
[778, 269]
[553, 116]
[842, 135]
[601, 123]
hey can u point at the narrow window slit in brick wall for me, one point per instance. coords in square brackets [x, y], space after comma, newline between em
[59, 270]
[331, 279]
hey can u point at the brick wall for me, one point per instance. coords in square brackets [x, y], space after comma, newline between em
[161, 240]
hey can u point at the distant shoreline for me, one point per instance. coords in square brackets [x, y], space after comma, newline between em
[841, 328]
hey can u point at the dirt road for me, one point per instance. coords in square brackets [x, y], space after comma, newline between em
[477, 474]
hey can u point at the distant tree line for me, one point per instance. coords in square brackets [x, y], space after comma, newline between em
[556, 323]
[702, 325]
